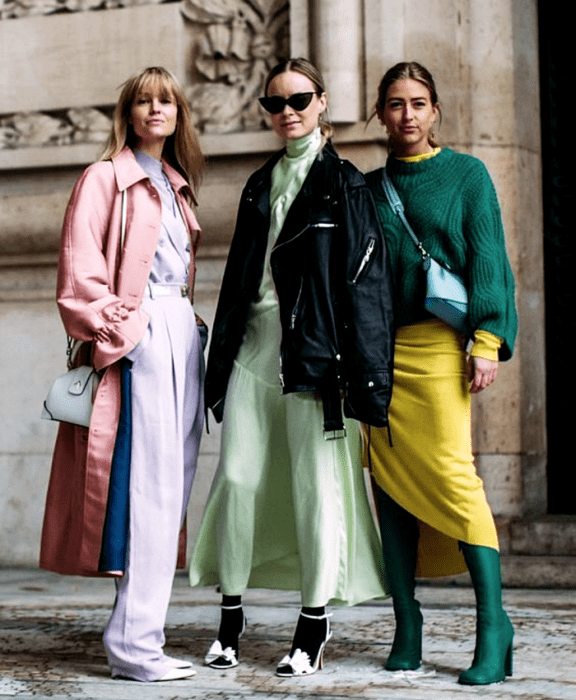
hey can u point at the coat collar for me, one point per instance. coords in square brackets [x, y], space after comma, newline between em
[128, 172]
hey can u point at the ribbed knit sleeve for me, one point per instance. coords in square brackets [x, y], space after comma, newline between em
[451, 203]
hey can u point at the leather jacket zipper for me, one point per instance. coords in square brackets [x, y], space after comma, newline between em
[318, 225]
[296, 306]
[365, 260]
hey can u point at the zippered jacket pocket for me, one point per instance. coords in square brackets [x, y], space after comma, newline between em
[363, 266]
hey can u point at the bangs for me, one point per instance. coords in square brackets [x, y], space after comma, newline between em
[156, 82]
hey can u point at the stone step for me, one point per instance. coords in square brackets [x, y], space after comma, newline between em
[531, 571]
[552, 535]
[526, 571]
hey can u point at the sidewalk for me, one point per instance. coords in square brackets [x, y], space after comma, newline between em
[51, 626]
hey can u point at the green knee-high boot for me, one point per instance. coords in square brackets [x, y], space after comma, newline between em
[400, 535]
[494, 632]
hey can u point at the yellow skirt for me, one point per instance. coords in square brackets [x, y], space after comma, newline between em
[429, 470]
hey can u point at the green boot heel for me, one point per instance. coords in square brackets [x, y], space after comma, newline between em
[494, 632]
[400, 534]
[406, 653]
[492, 657]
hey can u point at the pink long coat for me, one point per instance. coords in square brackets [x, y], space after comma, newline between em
[99, 295]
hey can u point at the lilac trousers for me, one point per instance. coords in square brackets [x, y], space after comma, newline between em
[167, 422]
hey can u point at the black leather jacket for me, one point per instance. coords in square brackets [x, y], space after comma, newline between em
[329, 267]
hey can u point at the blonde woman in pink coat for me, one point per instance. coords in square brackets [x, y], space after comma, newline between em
[132, 304]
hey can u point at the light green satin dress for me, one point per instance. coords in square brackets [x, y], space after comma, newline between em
[288, 509]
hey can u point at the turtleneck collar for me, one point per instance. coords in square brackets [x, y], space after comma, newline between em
[420, 157]
[401, 167]
[305, 144]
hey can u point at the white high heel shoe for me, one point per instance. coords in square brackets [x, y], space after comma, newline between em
[299, 662]
[220, 658]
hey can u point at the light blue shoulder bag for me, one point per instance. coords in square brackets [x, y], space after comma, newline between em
[446, 295]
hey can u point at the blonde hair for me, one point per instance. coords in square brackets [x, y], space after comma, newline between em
[181, 149]
[309, 70]
[404, 71]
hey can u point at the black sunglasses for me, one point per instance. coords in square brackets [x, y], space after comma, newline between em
[298, 101]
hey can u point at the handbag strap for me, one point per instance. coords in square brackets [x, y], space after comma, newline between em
[396, 205]
[122, 222]
[72, 349]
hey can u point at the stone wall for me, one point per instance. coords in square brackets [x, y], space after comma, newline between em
[59, 75]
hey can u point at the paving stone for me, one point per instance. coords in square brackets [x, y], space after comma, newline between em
[51, 627]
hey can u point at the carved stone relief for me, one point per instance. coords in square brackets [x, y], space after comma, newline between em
[233, 43]
[239, 41]
[11, 9]
[34, 129]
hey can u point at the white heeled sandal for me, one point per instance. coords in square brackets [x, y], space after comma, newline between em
[224, 658]
[298, 662]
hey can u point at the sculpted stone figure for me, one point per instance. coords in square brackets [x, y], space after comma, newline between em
[239, 44]
[90, 125]
[33, 129]
[10, 9]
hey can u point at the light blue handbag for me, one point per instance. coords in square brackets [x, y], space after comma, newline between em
[446, 295]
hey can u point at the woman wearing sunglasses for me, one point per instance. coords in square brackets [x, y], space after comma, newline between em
[302, 330]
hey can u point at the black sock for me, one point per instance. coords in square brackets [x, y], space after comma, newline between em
[315, 612]
[310, 634]
[231, 622]
[229, 601]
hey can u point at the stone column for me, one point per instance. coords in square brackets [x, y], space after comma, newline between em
[337, 51]
[510, 419]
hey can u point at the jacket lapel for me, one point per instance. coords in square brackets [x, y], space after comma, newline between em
[298, 215]
[259, 189]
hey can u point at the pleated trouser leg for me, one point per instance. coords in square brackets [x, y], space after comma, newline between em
[167, 415]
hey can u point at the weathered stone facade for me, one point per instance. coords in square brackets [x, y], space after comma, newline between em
[61, 64]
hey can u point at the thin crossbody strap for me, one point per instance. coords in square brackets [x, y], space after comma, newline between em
[123, 222]
[396, 204]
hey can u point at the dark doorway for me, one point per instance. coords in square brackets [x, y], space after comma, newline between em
[559, 251]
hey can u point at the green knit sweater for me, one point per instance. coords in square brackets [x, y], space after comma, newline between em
[451, 204]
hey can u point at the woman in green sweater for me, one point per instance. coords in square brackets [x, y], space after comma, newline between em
[433, 512]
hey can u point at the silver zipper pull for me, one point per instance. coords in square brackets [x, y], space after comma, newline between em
[365, 259]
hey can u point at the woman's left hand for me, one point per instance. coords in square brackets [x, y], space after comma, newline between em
[481, 373]
[203, 330]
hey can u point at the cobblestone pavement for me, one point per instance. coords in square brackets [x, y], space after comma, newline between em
[51, 626]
